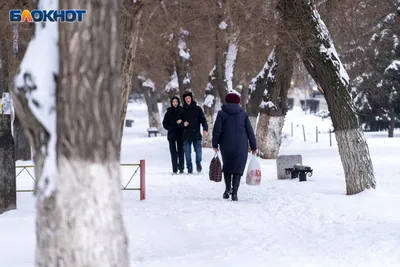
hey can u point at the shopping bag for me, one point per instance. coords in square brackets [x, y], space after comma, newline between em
[253, 176]
[215, 169]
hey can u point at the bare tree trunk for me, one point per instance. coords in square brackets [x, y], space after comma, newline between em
[179, 71]
[322, 62]
[77, 141]
[8, 196]
[220, 50]
[89, 139]
[152, 107]
[220, 78]
[392, 123]
[172, 88]
[8, 190]
[156, 119]
[149, 105]
[231, 58]
[209, 106]
[273, 108]
[132, 14]
[268, 134]
[22, 146]
[257, 88]
[25, 33]
[243, 98]
[183, 62]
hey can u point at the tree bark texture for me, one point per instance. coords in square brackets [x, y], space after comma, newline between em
[257, 87]
[172, 88]
[392, 122]
[70, 231]
[209, 106]
[182, 64]
[244, 95]
[131, 18]
[217, 79]
[22, 146]
[268, 134]
[273, 108]
[221, 46]
[322, 62]
[152, 107]
[8, 187]
[156, 119]
[231, 56]
[8, 195]
[10, 64]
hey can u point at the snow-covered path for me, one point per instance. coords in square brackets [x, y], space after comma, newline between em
[185, 222]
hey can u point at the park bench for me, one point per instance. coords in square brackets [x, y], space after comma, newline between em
[152, 130]
[128, 123]
[299, 171]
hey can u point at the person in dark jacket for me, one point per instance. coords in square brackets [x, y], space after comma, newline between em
[192, 117]
[231, 134]
[170, 123]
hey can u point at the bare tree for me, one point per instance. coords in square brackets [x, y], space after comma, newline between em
[149, 91]
[8, 196]
[210, 100]
[14, 38]
[221, 77]
[322, 62]
[273, 107]
[70, 108]
[131, 18]
[8, 193]
[257, 87]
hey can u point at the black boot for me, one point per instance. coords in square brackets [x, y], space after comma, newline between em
[199, 168]
[228, 182]
[235, 184]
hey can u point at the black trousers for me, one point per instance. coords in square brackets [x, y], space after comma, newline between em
[177, 155]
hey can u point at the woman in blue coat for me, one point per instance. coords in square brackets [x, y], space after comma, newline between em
[231, 134]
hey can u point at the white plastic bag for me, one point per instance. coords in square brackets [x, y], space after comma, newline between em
[253, 172]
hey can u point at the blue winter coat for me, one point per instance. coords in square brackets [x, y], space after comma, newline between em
[232, 132]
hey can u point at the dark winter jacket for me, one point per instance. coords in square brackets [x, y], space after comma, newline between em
[170, 119]
[233, 132]
[194, 115]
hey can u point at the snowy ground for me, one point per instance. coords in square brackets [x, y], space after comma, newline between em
[185, 221]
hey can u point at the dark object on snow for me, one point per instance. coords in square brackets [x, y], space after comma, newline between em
[299, 171]
[310, 104]
[232, 182]
[228, 185]
[128, 123]
[232, 133]
[215, 169]
[290, 103]
[152, 131]
[235, 185]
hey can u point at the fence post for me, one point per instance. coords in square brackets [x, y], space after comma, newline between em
[304, 134]
[330, 137]
[142, 179]
[291, 130]
[316, 133]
